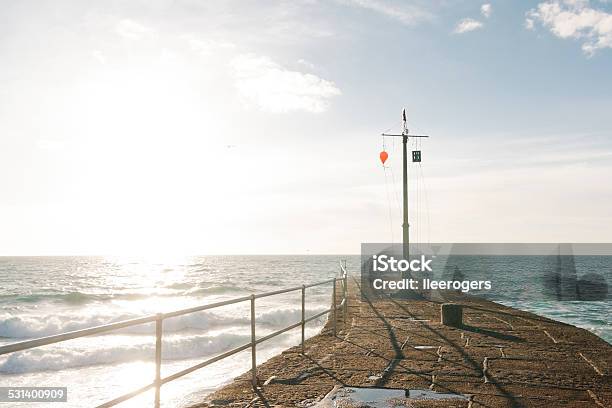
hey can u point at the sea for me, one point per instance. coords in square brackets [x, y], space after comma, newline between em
[42, 296]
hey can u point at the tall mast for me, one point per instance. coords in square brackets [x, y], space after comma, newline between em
[405, 225]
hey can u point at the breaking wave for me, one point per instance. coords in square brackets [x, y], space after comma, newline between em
[80, 298]
[29, 326]
[58, 358]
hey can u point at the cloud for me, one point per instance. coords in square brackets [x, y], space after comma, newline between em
[469, 24]
[486, 10]
[574, 19]
[404, 13]
[307, 64]
[466, 25]
[133, 30]
[206, 46]
[273, 88]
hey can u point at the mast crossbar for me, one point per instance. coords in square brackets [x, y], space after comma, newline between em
[386, 134]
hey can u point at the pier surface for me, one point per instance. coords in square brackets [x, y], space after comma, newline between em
[500, 357]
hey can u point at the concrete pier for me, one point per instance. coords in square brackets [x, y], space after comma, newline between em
[498, 357]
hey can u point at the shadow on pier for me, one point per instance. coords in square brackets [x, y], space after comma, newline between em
[499, 357]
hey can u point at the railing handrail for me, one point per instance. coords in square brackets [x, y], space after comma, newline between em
[160, 317]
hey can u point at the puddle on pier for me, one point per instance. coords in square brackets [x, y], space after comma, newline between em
[361, 397]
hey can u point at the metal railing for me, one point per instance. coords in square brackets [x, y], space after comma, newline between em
[160, 317]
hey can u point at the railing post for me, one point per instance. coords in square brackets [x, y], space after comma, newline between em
[158, 355]
[334, 306]
[345, 311]
[253, 345]
[303, 314]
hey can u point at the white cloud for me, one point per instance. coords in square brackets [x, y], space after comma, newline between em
[486, 10]
[274, 88]
[205, 45]
[133, 30]
[307, 64]
[574, 19]
[404, 13]
[466, 25]
[469, 24]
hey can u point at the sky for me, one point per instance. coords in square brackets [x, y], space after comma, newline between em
[254, 127]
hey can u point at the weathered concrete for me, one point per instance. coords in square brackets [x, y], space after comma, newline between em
[500, 357]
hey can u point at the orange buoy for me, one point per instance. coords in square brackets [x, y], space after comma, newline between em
[384, 156]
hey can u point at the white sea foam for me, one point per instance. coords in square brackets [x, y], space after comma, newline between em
[29, 326]
[62, 357]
